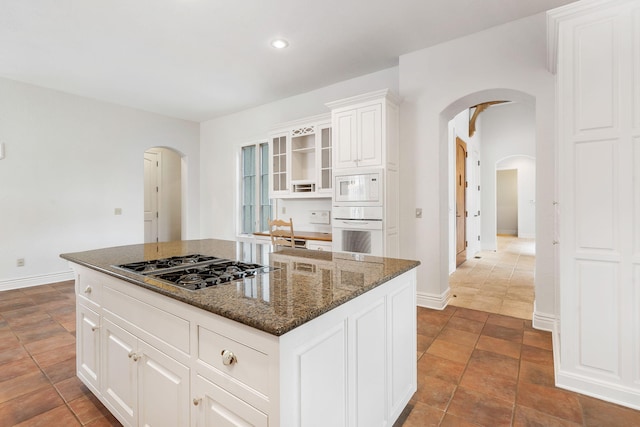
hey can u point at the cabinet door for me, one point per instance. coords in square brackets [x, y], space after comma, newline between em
[219, 408]
[369, 120]
[325, 158]
[279, 181]
[370, 365]
[345, 139]
[88, 347]
[402, 368]
[163, 389]
[119, 372]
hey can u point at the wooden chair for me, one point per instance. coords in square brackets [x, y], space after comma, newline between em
[281, 233]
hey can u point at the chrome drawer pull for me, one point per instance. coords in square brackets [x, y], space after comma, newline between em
[228, 358]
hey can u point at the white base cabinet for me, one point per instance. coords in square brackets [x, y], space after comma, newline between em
[217, 407]
[360, 358]
[154, 361]
[145, 386]
[88, 351]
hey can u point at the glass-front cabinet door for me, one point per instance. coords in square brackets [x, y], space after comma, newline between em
[279, 176]
[325, 155]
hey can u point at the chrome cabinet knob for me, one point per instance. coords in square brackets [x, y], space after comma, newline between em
[228, 358]
[87, 290]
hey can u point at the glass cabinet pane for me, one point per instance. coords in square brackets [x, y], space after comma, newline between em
[326, 138]
[326, 178]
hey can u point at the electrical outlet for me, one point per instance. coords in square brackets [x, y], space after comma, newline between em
[20, 262]
[418, 213]
[117, 211]
[284, 210]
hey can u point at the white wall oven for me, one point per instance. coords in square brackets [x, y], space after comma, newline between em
[358, 229]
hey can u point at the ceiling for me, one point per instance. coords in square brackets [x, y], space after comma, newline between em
[200, 59]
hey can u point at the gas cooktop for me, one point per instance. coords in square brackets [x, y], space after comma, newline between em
[194, 272]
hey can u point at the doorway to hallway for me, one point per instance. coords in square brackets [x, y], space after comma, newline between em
[500, 281]
[162, 195]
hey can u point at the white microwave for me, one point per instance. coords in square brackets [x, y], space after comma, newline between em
[363, 189]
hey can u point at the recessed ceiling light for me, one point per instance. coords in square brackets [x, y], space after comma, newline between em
[279, 43]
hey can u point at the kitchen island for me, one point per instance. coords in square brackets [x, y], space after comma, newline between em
[318, 339]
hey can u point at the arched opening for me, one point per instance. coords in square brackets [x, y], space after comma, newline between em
[163, 190]
[490, 278]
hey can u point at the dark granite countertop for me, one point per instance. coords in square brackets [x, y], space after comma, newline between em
[304, 284]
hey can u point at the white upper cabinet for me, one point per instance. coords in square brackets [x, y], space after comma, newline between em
[301, 158]
[279, 177]
[365, 131]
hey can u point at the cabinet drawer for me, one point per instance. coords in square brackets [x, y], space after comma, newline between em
[315, 245]
[160, 324]
[89, 287]
[251, 366]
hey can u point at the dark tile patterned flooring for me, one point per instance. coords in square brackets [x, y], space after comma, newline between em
[38, 384]
[474, 369]
[484, 369]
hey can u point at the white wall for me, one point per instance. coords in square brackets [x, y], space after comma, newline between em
[69, 163]
[299, 210]
[505, 62]
[507, 201]
[507, 130]
[221, 138]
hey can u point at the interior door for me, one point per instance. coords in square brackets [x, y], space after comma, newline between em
[151, 169]
[461, 208]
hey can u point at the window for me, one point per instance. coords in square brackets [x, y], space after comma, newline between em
[256, 205]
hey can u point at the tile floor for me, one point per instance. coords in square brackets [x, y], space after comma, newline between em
[38, 386]
[484, 369]
[497, 282]
[474, 369]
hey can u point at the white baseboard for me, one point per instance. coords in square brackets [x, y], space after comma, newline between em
[614, 393]
[42, 279]
[526, 235]
[436, 302]
[543, 321]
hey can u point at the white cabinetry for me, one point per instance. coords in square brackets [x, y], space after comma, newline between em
[365, 131]
[88, 346]
[280, 165]
[144, 386]
[365, 135]
[355, 365]
[301, 159]
[598, 95]
[318, 245]
[160, 362]
[88, 304]
[218, 407]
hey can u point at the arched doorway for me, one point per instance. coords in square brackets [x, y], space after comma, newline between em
[162, 195]
[486, 149]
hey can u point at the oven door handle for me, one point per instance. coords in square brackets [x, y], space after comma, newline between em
[358, 224]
